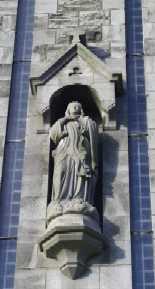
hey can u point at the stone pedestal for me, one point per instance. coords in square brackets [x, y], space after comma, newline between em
[72, 239]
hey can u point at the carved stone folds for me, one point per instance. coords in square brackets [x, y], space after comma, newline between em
[72, 238]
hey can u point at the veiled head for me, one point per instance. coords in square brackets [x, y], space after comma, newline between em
[74, 109]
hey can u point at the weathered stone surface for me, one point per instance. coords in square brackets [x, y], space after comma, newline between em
[114, 253]
[35, 163]
[6, 6]
[30, 230]
[5, 88]
[3, 106]
[43, 38]
[153, 203]
[5, 72]
[57, 280]
[151, 119]
[149, 47]
[43, 6]
[117, 49]
[151, 142]
[33, 208]
[118, 4]
[116, 205]
[30, 279]
[117, 17]
[116, 228]
[111, 277]
[25, 255]
[41, 22]
[149, 14]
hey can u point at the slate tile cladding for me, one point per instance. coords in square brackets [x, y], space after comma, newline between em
[14, 143]
[140, 207]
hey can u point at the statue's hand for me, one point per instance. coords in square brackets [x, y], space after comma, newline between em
[64, 120]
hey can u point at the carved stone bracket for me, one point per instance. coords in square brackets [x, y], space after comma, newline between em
[72, 239]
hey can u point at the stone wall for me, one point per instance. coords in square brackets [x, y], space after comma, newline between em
[104, 26]
[8, 11]
[149, 50]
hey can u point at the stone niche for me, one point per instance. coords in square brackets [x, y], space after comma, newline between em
[73, 234]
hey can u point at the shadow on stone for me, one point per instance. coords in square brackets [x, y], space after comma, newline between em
[111, 252]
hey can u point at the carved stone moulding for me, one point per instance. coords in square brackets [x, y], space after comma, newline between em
[72, 239]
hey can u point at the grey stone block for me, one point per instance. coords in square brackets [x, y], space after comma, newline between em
[149, 46]
[38, 144]
[117, 17]
[40, 22]
[31, 230]
[118, 140]
[48, 263]
[115, 253]
[4, 106]
[5, 87]
[149, 30]
[5, 72]
[148, 3]
[7, 38]
[3, 121]
[116, 228]
[32, 187]
[152, 158]
[9, 22]
[57, 280]
[153, 228]
[117, 49]
[153, 203]
[1, 144]
[26, 255]
[43, 6]
[6, 55]
[34, 122]
[116, 205]
[110, 4]
[43, 38]
[150, 100]
[35, 164]
[118, 34]
[152, 176]
[30, 279]
[151, 119]
[149, 14]
[149, 81]
[33, 208]
[115, 184]
[10, 6]
[115, 277]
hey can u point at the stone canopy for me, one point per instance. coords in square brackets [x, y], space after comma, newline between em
[79, 66]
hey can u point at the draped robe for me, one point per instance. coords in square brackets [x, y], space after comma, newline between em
[75, 159]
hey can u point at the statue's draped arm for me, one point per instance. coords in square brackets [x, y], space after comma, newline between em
[57, 131]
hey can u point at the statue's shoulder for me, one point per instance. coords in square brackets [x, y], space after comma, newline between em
[89, 119]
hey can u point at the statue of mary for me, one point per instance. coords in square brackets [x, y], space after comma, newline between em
[75, 156]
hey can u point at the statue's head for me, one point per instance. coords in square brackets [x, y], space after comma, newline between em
[74, 109]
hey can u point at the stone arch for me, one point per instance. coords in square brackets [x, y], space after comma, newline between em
[76, 92]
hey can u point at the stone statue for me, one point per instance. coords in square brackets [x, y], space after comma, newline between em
[75, 156]
[73, 234]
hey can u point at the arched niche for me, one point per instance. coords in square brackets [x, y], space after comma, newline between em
[86, 95]
[92, 108]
